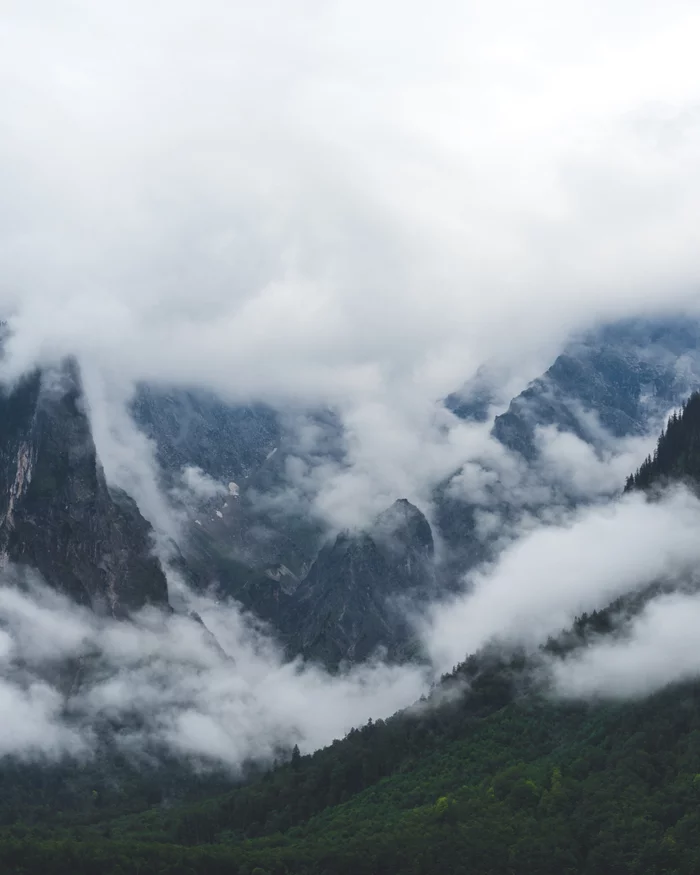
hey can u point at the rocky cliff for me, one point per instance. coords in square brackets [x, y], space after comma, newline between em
[57, 514]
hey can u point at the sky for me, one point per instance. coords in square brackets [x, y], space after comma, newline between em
[354, 205]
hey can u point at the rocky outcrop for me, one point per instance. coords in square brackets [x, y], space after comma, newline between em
[357, 594]
[623, 378]
[57, 514]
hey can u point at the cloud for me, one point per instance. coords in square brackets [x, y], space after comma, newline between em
[305, 206]
[658, 648]
[580, 471]
[200, 485]
[215, 689]
[543, 580]
[126, 454]
[312, 210]
[352, 205]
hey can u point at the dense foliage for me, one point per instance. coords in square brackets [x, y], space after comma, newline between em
[677, 453]
[533, 787]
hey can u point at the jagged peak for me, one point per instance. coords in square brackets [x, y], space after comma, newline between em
[404, 524]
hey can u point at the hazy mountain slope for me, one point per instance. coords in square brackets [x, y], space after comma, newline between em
[490, 775]
[57, 514]
[628, 374]
[196, 428]
[489, 784]
[350, 604]
[616, 382]
[245, 451]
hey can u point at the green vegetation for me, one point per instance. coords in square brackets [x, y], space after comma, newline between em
[677, 453]
[534, 787]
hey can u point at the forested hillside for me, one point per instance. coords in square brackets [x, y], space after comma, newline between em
[677, 453]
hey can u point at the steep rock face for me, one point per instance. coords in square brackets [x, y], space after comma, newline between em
[628, 375]
[350, 602]
[57, 514]
[255, 520]
[616, 382]
[197, 428]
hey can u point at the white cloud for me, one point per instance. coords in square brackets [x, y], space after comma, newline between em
[349, 204]
[659, 648]
[583, 472]
[547, 577]
[345, 201]
[201, 485]
[218, 690]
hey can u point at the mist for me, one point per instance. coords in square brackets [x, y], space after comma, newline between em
[212, 688]
[547, 577]
[653, 650]
[353, 205]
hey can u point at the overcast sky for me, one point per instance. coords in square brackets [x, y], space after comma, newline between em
[341, 200]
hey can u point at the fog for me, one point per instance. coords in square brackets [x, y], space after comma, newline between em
[215, 691]
[546, 578]
[655, 649]
[356, 203]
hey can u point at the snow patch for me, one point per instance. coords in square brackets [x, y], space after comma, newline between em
[233, 489]
[219, 514]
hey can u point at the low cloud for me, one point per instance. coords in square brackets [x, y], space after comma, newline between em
[547, 577]
[215, 690]
[199, 485]
[657, 648]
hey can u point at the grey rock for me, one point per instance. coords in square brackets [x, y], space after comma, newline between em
[356, 594]
[57, 514]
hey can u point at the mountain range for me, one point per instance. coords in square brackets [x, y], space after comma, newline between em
[332, 597]
[493, 771]
[490, 773]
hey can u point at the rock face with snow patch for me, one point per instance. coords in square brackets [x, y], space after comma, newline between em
[57, 514]
[197, 428]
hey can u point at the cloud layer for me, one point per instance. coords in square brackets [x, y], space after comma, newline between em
[214, 689]
[657, 648]
[355, 202]
[546, 578]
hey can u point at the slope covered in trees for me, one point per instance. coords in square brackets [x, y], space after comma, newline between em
[532, 788]
[677, 453]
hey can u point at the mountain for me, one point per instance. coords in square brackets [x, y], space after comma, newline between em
[355, 597]
[251, 523]
[196, 428]
[616, 382]
[489, 774]
[677, 453]
[257, 540]
[57, 514]
[624, 377]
